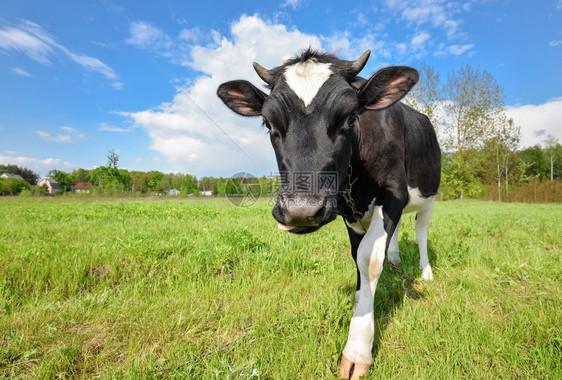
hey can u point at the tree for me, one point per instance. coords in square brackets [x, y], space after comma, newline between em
[458, 180]
[219, 188]
[207, 183]
[99, 176]
[27, 174]
[232, 186]
[154, 178]
[552, 150]
[501, 148]
[112, 159]
[188, 184]
[473, 102]
[139, 181]
[534, 162]
[79, 175]
[62, 179]
[427, 94]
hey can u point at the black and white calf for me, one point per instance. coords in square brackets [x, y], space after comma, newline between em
[325, 122]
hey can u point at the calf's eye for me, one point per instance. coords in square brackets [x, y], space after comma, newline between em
[352, 119]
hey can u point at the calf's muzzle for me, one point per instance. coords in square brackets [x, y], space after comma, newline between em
[304, 212]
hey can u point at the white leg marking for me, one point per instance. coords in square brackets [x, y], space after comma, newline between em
[306, 78]
[393, 250]
[424, 207]
[370, 258]
[422, 229]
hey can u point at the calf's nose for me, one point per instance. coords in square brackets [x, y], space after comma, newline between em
[303, 212]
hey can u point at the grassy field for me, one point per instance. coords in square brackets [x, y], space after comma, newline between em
[156, 288]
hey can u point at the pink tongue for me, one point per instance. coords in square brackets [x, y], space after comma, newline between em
[283, 227]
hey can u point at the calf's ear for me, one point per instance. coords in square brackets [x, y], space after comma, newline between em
[386, 87]
[242, 97]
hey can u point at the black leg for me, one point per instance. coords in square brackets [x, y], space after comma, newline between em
[355, 239]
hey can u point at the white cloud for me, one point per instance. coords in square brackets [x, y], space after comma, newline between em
[459, 49]
[11, 152]
[39, 165]
[295, 4]
[92, 64]
[18, 41]
[347, 47]
[146, 36]
[32, 40]
[441, 15]
[434, 12]
[70, 138]
[555, 43]
[451, 27]
[419, 40]
[444, 50]
[56, 138]
[191, 35]
[186, 138]
[110, 128]
[538, 121]
[22, 72]
[401, 48]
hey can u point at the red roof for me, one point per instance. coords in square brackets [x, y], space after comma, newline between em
[83, 186]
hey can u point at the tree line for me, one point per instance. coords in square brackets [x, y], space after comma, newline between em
[480, 150]
[533, 174]
[480, 144]
[111, 180]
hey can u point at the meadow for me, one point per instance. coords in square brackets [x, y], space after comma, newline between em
[200, 289]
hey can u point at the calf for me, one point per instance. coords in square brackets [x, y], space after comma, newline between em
[345, 145]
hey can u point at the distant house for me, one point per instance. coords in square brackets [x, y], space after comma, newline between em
[174, 192]
[51, 184]
[14, 176]
[83, 187]
[206, 193]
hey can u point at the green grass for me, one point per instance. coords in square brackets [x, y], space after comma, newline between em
[146, 288]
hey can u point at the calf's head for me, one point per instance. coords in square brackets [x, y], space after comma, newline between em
[311, 113]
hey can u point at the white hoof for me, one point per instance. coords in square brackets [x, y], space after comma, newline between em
[427, 273]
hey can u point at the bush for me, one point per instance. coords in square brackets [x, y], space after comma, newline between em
[39, 190]
[12, 186]
[534, 190]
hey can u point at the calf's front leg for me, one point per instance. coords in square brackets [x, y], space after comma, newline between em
[357, 354]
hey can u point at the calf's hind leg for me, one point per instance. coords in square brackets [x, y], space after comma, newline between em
[393, 250]
[422, 230]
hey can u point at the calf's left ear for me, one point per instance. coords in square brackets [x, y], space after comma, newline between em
[386, 87]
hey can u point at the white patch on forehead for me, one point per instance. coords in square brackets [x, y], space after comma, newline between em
[306, 78]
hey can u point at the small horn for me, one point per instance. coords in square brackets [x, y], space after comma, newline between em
[358, 65]
[262, 72]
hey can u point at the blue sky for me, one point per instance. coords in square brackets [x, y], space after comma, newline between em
[78, 78]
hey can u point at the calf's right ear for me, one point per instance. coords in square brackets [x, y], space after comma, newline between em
[242, 97]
